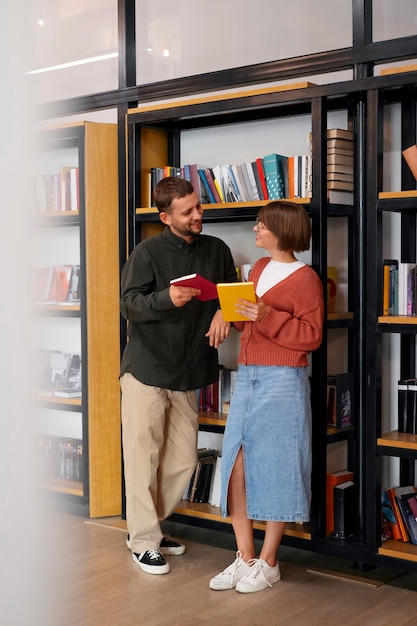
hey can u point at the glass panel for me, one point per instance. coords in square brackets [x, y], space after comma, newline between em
[74, 48]
[394, 18]
[178, 39]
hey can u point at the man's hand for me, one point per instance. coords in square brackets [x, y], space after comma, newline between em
[219, 330]
[182, 295]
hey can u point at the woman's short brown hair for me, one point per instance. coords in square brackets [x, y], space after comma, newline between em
[168, 189]
[289, 222]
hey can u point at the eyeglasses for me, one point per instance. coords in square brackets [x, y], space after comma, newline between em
[259, 225]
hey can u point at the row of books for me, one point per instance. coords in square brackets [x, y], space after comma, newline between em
[340, 400]
[60, 458]
[399, 514]
[57, 192]
[55, 284]
[215, 398]
[271, 177]
[407, 406]
[58, 374]
[399, 288]
[198, 489]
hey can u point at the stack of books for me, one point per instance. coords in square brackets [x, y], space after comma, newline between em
[340, 165]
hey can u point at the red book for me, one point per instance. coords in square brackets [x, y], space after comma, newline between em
[260, 164]
[208, 289]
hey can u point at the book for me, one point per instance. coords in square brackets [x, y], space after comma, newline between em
[333, 479]
[337, 184]
[338, 168]
[252, 181]
[339, 133]
[344, 510]
[390, 286]
[229, 294]
[215, 488]
[40, 281]
[334, 196]
[248, 184]
[344, 400]
[411, 424]
[230, 191]
[258, 180]
[218, 181]
[405, 290]
[402, 403]
[389, 515]
[73, 288]
[274, 176]
[197, 183]
[410, 156]
[410, 522]
[336, 142]
[59, 284]
[341, 176]
[261, 172]
[331, 401]
[207, 287]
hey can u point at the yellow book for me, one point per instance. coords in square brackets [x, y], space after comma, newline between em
[229, 294]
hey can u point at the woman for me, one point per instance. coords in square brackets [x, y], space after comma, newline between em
[266, 464]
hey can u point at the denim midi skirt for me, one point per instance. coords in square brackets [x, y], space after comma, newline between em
[270, 419]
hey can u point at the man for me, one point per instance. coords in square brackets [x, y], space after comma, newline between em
[171, 352]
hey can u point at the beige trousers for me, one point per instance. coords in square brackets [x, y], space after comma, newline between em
[159, 434]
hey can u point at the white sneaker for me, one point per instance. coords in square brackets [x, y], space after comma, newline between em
[260, 576]
[228, 578]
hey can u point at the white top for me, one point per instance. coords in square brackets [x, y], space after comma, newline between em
[273, 273]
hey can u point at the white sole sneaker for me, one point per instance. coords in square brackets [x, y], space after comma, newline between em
[260, 576]
[151, 562]
[228, 578]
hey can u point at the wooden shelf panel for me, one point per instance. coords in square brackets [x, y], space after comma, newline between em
[54, 400]
[411, 193]
[212, 513]
[212, 419]
[394, 439]
[398, 319]
[399, 550]
[69, 487]
[226, 205]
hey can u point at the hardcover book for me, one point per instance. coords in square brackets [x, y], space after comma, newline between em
[207, 288]
[340, 133]
[59, 285]
[229, 294]
[410, 155]
[345, 144]
[344, 510]
[274, 175]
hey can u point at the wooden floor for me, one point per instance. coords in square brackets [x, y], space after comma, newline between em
[92, 580]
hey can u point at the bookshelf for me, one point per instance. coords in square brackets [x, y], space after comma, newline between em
[390, 340]
[89, 237]
[154, 136]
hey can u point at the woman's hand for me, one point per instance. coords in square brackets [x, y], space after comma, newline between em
[255, 311]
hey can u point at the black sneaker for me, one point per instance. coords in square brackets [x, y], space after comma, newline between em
[168, 546]
[151, 562]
